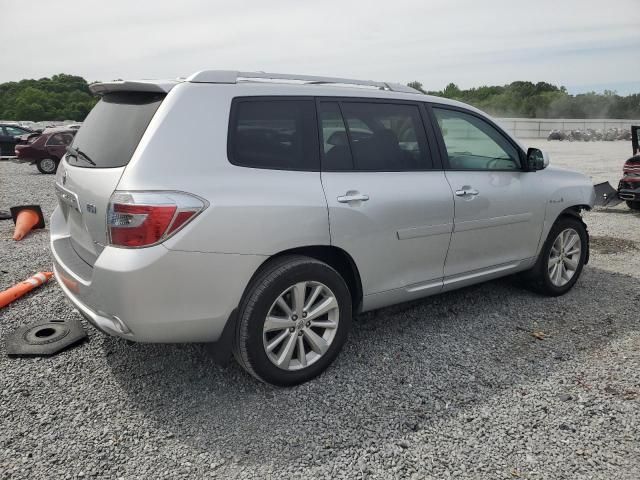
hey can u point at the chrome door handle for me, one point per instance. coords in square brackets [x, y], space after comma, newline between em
[471, 191]
[353, 197]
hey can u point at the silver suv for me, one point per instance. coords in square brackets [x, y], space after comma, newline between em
[262, 211]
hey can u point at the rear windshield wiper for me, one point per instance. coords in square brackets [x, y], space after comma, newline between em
[77, 153]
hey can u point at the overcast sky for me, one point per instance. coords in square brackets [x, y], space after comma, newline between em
[582, 44]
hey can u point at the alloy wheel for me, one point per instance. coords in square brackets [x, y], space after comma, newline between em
[301, 325]
[564, 257]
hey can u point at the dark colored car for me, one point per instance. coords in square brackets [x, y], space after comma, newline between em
[629, 187]
[10, 137]
[45, 150]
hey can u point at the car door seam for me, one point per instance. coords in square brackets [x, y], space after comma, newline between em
[326, 203]
[453, 221]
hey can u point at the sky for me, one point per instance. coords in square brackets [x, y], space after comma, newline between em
[581, 44]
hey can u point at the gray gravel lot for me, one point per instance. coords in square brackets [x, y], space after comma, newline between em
[453, 386]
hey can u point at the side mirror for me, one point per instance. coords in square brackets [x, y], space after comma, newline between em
[536, 159]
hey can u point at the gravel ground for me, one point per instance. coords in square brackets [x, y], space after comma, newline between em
[453, 386]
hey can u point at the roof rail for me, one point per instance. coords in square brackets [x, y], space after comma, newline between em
[232, 76]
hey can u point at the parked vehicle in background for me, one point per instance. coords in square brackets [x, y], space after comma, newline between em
[9, 137]
[297, 202]
[629, 186]
[45, 150]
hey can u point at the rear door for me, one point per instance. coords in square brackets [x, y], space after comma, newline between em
[390, 206]
[103, 147]
[499, 212]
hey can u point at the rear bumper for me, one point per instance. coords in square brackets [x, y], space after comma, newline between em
[152, 294]
[24, 153]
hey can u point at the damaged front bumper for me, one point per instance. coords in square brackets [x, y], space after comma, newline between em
[629, 190]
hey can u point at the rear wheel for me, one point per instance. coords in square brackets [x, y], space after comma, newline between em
[47, 165]
[633, 205]
[293, 321]
[562, 257]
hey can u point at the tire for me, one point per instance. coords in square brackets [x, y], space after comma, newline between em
[47, 166]
[539, 277]
[274, 284]
[633, 205]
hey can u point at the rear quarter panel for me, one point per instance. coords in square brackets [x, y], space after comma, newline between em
[251, 211]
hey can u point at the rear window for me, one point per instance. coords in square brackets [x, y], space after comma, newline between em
[58, 139]
[274, 133]
[112, 130]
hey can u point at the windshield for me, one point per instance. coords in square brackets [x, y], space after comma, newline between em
[113, 129]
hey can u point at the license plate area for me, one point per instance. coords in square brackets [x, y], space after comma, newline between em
[67, 199]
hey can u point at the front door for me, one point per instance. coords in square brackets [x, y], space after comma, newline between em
[499, 212]
[388, 208]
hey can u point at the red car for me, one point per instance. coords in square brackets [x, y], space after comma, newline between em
[629, 186]
[47, 149]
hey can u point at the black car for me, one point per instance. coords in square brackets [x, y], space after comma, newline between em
[10, 137]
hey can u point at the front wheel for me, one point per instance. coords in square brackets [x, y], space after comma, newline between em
[562, 257]
[633, 205]
[292, 321]
[47, 165]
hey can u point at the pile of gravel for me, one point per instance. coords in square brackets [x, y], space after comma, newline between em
[491, 381]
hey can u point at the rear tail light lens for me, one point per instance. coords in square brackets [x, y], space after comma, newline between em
[142, 219]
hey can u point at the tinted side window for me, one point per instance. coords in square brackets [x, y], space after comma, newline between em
[473, 144]
[337, 152]
[386, 137]
[14, 131]
[60, 139]
[279, 134]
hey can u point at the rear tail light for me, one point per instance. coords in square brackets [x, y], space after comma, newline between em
[142, 219]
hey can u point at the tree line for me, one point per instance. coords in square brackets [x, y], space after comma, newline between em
[541, 100]
[67, 97]
[61, 97]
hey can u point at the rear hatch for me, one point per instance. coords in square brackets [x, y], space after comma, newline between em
[92, 168]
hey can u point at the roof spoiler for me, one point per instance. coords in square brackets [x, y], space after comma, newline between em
[162, 86]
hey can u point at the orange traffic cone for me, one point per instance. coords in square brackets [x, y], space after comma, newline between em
[18, 290]
[26, 218]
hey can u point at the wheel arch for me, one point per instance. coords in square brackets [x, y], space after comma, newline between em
[335, 257]
[575, 211]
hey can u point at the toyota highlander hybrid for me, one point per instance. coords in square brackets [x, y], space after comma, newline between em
[263, 211]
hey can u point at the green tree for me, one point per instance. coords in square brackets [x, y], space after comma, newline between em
[417, 86]
[543, 100]
[451, 91]
[61, 97]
